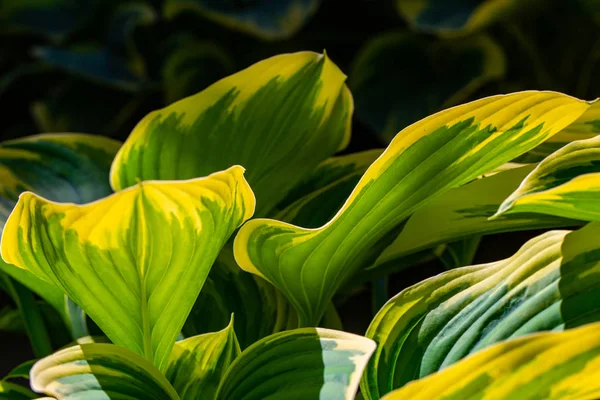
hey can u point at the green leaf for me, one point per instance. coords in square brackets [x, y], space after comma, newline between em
[264, 19]
[585, 127]
[278, 118]
[154, 243]
[454, 16]
[551, 365]
[549, 284]
[461, 213]
[12, 391]
[192, 66]
[21, 371]
[460, 253]
[259, 308]
[198, 364]
[99, 371]
[309, 363]
[309, 265]
[445, 73]
[565, 184]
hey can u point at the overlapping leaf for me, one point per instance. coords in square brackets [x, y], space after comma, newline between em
[443, 73]
[309, 363]
[425, 160]
[278, 118]
[99, 371]
[198, 364]
[154, 244]
[566, 184]
[550, 365]
[12, 391]
[265, 19]
[549, 284]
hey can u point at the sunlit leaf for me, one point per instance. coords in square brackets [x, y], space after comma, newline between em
[99, 371]
[278, 118]
[549, 284]
[309, 265]
[154, 243]
[198, 364]
[265, 19]
[309, 363]
[550, 365]
[566, 184]
[425, 74]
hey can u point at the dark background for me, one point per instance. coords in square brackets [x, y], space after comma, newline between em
[551, 45]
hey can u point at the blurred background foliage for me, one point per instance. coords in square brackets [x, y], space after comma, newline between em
[99, 66]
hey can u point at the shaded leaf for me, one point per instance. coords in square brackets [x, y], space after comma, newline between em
[425, 74]
[265, 19]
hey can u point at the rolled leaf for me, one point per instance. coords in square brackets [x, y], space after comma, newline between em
[445, 72]
[454, 16]
[99, 371]
[565, 184]
[279, 118]
[154, 243]
[265, 19]
[198, 364]
[310, 363]
[425, 160]
[549, 284]
[550, 365]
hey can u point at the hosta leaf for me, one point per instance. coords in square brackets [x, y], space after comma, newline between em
[99, 371]
[454, 16]
[585, 127]
[464, 212]
[309, 363]
[549, 284]
[444, 73]
[192, 66]
[12, 391]
[425, 160]
[265, 19]
[316, 199]
[116, 62]
[259, 308]
[61, 167]
[566, 184]
[198, 364]
[550, 365]
[10, 320]
[154, 243]
[278, 118]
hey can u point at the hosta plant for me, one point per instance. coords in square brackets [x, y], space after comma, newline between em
[205, 256]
